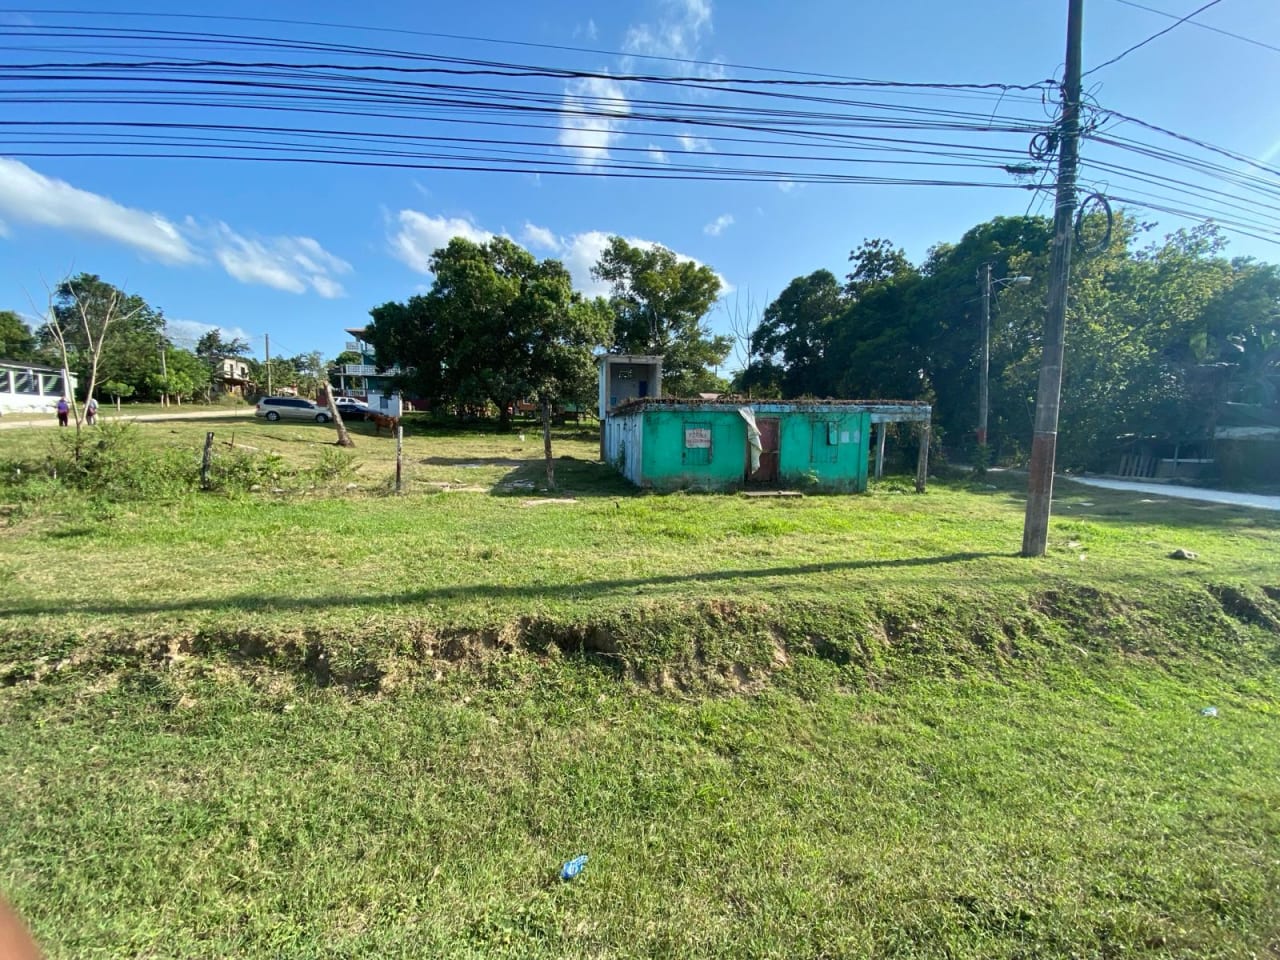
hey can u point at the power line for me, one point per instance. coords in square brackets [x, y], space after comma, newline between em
[748, 129]
[717, 64]
[1154, 36]
[1202, 26]
[1185, 138]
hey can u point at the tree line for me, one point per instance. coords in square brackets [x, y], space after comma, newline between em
[1160, 334]
[499, 326]
[117, 344]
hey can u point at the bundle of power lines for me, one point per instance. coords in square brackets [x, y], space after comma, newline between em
[79, 89]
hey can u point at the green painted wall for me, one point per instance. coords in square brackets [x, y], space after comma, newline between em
[830, 448]
[670, 465]
[825, 451]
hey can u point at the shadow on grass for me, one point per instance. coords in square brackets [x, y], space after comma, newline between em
[1100, 505]
[595, 588]
[574, 478]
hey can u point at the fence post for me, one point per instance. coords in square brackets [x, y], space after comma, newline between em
[207, 461]
[922, 459]
[399, 456]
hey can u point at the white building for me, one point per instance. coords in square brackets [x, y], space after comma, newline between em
[30, 388]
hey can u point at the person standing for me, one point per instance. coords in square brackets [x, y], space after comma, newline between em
[91, 411]
[63, 409]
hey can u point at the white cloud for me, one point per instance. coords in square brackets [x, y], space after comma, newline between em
[718, 225]
[581, 252]
[786, 186]
[586, 31]
[295, 264]
[589, 137]
[185, 333]
[421, 235]
[536, 236]
[30, 197]
[694, 144]
[292, 264]
[678, 32]
[657, 154]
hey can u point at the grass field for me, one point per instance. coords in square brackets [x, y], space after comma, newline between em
[304, 717]
[108, 410]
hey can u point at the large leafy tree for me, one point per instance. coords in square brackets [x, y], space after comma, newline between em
[17, 342]
[214, 346]
[795, 333]
[186, 376]
[660, 304]
[875, 262]
[497, 326]
[1157, 335]
[109, 334]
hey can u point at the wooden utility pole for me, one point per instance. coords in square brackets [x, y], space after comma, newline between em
[164, 375]
[267, 338]
[1044, 443]
[984, 365]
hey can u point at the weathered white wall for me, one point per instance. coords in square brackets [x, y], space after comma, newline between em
[623, 439]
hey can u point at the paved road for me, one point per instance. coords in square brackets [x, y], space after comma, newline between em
[1183, 493]
[8, 423]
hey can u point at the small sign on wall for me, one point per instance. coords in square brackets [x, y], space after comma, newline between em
[697, 437]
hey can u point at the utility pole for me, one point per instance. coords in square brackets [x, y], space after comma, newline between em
[1044, 443]
[164, 375]
[267, 338]
[984, 276]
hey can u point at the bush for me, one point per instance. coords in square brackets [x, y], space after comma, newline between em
[334, 464]
[114, 463]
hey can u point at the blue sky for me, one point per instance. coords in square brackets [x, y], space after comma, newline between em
[302, 251]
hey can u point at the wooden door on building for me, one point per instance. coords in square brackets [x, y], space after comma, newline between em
[768, 472]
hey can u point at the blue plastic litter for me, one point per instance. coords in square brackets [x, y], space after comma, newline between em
[1209, 712]
[573, 867]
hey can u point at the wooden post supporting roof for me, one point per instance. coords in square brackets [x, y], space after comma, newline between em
[922, 459]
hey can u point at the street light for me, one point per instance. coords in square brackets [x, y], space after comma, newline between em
[988, 286]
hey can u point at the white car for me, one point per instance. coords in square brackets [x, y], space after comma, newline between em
[290, 408]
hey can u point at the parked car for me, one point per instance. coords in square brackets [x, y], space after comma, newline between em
[351, 408]
[290, 408]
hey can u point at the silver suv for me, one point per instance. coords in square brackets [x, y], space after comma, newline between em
[290, 408]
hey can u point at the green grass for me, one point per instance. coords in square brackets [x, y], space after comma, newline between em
[328, 721]
[107, 410]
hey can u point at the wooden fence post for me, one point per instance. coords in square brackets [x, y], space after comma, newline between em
[206, 461]
[399, 457]
[922, 459]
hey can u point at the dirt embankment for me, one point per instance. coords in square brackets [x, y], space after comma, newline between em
[710, 647]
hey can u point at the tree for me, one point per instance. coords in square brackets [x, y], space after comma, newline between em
[796, 333]
[309, 372]
[212, 346]
[83, 311]
[101, 332]
[497, 326]
[660, 303]
[875, 262]
[17, 342]
[186, 375]
[561, 329]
